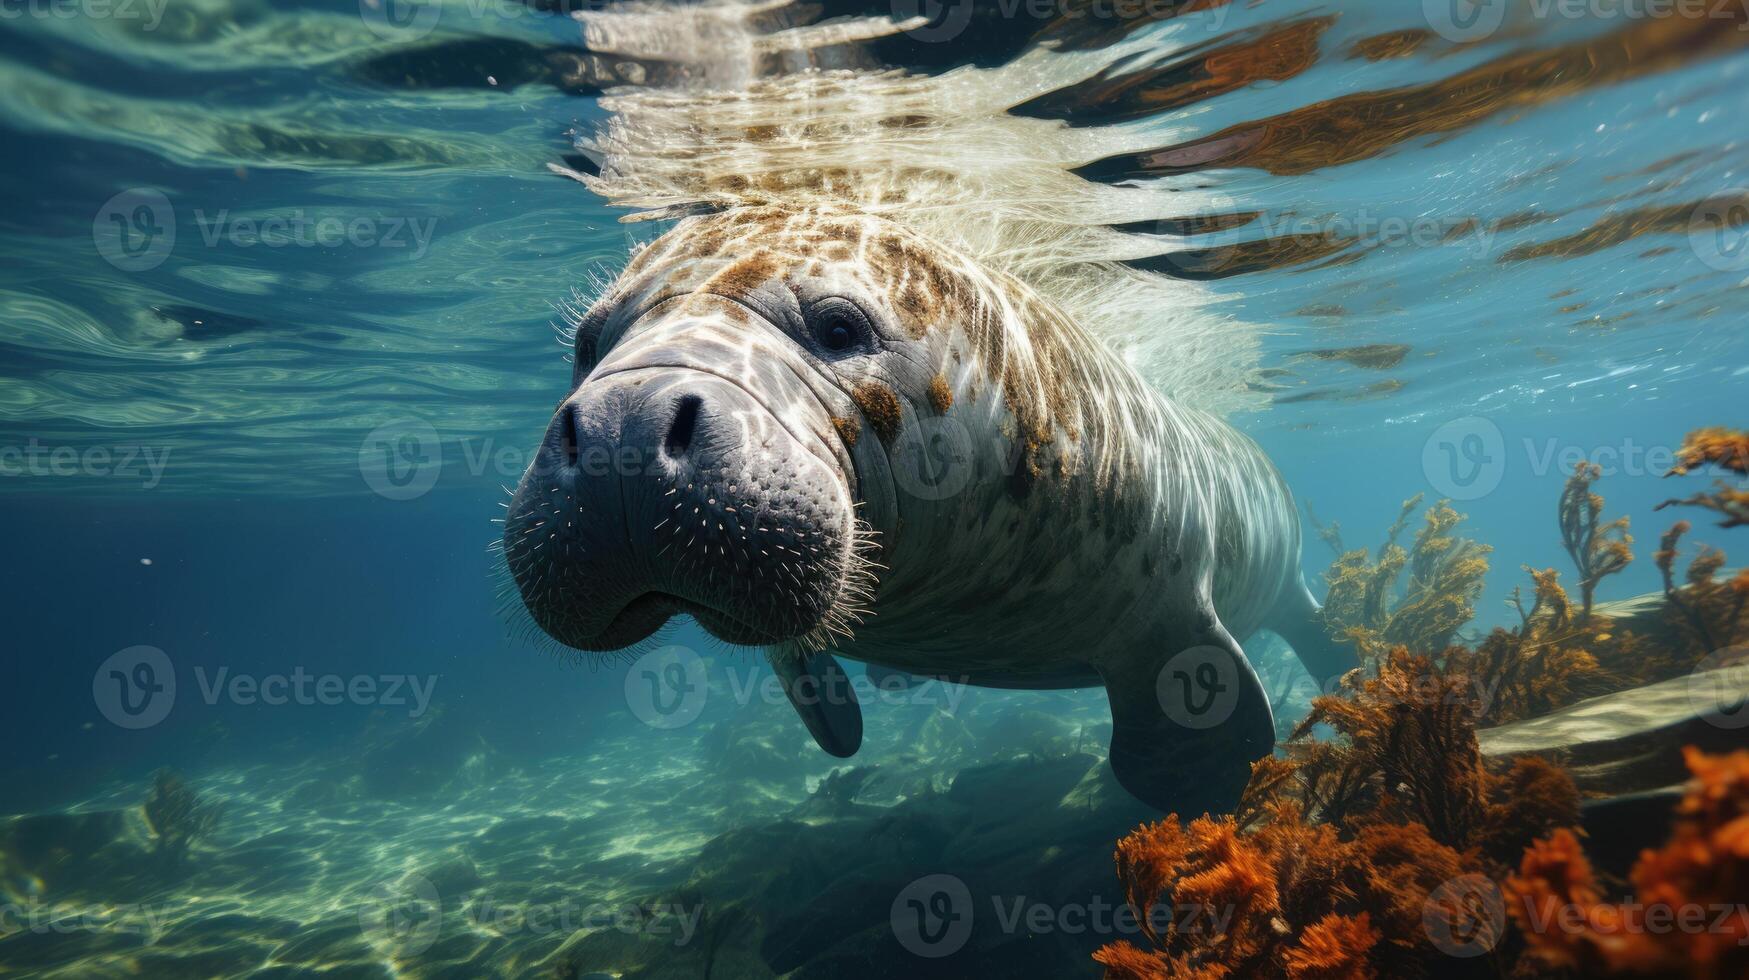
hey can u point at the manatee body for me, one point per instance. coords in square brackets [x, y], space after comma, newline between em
[818, 431]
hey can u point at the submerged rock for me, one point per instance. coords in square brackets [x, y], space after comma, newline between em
[1631, 741]
[814, 897]
[1625, 750]
[453, 874]
[97, 854]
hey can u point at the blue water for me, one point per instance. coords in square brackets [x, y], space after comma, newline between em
[366, 235]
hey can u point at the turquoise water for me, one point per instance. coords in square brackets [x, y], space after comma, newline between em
[277, 294]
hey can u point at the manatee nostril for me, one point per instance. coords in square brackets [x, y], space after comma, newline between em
[568, 422]
[680, 430]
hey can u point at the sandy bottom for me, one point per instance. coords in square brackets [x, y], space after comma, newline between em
[729, 848]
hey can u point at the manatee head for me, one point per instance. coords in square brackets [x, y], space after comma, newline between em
[722, 452]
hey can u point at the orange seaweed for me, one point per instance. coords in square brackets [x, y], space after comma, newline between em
[1338, 854]
[1726, 449]
[1363, 854]
[1558, 903]
[1715, 446]
[1334, 948]
[1706, 614]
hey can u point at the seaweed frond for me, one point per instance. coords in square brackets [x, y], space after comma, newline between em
[1558, 904]
[1598, 548]
[1336, 859]
[1718, 446]
[1370, 606]
[1560, 652]
[1548, 662]
[178, 816]
[1707, 614]
[1726, 449]
[1330, 534]
[1336, 947]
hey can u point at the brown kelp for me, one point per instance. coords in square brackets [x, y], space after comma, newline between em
[1370, 604]
[1707, 613]
[1704, 613]
[1694, 885]
[1341, 857]
[1728, 450]
[1365, 854]
[1547, 661]
[1598, 548]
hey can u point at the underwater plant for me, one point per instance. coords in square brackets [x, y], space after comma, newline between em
[1727, 449]
[1545, 663]
[1598, 549]
[1336, 863]
[1563, 651]
[1708, 614]
[178, 816]
[1557, 900]
[1338, 860]
[1560, 652]
[1370, 606]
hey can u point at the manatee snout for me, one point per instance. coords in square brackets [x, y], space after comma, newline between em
[663, 487]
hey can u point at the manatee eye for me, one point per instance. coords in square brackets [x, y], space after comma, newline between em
[838, 326]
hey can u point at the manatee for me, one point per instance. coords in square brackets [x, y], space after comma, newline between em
[817, 431]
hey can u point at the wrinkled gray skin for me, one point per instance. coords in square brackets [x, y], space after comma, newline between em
[757, 382]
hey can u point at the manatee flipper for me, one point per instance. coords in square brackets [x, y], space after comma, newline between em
[1186, 726]
[820, 691]
[888, 679]
[1298, 619]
